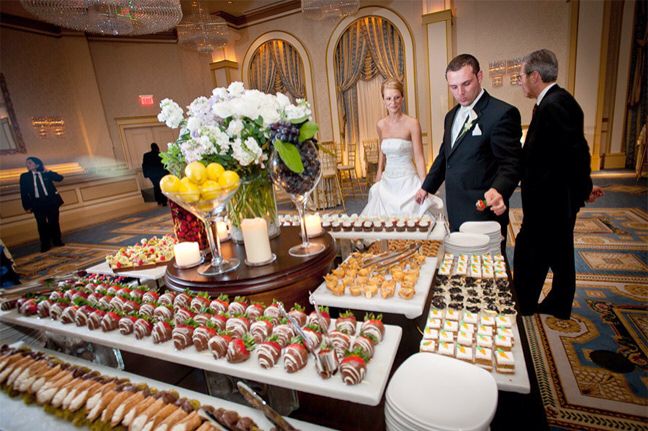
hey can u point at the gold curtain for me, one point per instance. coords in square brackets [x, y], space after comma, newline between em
[290, 68]
[263, 70]
[385, 45]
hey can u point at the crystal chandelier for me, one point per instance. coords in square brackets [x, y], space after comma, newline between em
[324, 9]
[201, 32]
[109, 17]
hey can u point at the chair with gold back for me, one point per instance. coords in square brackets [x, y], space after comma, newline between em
[372, 153]
[347, 169]
[328, 193]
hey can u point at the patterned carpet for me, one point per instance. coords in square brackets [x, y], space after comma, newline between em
[609, 315]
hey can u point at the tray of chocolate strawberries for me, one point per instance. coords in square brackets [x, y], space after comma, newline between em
[266, 343]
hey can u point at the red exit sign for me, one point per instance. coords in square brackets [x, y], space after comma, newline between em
[146, 100]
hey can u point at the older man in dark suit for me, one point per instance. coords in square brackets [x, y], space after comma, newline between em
[480, 155]
[555, 185]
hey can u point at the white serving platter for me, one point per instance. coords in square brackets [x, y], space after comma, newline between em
[368, 392]
[156, 273]
[18, 416]
[411, 308]
[437, 233]
[519, 381]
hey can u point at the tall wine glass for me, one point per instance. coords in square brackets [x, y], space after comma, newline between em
[208, 209]
[299, 188]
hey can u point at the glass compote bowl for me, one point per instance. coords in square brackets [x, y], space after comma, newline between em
[208, 209]
[299, 188]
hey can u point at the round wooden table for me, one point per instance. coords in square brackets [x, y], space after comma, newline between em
[287, 279]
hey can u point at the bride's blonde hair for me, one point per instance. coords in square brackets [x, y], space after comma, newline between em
[391, 83]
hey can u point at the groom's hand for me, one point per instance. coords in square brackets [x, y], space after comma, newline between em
[420, 196]
[495, 201]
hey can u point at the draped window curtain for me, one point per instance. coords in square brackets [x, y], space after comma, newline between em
[277, 67]
[370, 46]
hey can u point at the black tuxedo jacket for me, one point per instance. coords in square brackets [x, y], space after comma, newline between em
[556, 176]
[478, 162]
[152, 166]
[28, 195]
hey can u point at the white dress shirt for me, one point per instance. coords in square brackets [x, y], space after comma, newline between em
[460, 118]
[40, 177]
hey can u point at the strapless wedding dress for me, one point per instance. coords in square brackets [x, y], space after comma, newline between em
[395, 193]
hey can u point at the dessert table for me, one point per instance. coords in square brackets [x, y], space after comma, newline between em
[287, 279]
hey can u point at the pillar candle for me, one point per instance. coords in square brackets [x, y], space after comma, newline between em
[223, 232]
[186, 253]
[255, 240]
[313, 224]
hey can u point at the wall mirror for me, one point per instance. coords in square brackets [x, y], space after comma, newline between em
[11, 140]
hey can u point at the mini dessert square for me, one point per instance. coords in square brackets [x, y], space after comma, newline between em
[503, 342]
[487, 320]
[467, 327]
[446, 336]
[484, 340]
[504, 362]
[484, 357]
[451, 325]
[508, 332]
[485, 330]
[471, 318]
[446, 349]
[434, 323]
[435, 313]
[430, 334]
[428, 346]
[465, 353]
[465, 338]
[452, 314]
[503, 321]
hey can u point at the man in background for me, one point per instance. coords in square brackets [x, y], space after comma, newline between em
[555, 185]
[153, 169]
[480, 155]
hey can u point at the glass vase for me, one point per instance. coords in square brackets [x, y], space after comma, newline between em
[188, 227]
[254, 198]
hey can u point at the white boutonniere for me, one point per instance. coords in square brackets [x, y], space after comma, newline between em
[472, 117]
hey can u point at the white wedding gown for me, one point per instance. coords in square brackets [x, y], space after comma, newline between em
[395, 193]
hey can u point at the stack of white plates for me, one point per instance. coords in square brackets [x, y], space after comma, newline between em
[490, 228]
[434, 392]
[467, 243]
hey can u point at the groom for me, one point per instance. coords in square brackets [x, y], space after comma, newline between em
[480, 156]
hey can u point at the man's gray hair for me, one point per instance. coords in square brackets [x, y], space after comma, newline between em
[544, 62]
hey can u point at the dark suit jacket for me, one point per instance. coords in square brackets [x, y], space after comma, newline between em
[28, 195]
[476, 163]
[556, 171]
[152, 166]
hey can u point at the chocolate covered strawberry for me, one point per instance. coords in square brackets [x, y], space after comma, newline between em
[148, 309]
[481, 205]
[203, 316]
[238, 306]
[340, 342]
[295, 356]
[182, 314]
[365, 344]
[110, 321]
[182, 300]
[67, 316]
[239, 349]
[143, 328]
[104, 302]
[28, 307]
[44, 307]
[268, 352]
[272, 311]
[131, 306]
[94, 297]
[219, 321]
[183, 334]
[254, 310]
[167, 298]
[373, 326]
[82, 314]
[202, 334]
[163, 312]
[353, 368]
[117, 303]
[218, 344]
[199, 302]
[261, 329]
[284, 333]
[314, 319]
[313, 336]
[124, 292]
[220, 304]
[150, 297]
[346, 323]
[162, 332]
[297, 312]
[127, 325]
[138, 293]
[238, 326]
[57, 308]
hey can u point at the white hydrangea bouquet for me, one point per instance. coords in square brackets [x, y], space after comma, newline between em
[238, 128]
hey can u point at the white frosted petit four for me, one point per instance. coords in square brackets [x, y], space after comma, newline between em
[503, 321]
[434, 323]
[485, 330]
[503, 342]
[435, 313]
[508, 332]
[465, 338]
[484, 340]
[498, 258]
[465, 353]
[487, 320]
[427, 346]
[484, 357]
[469, 317]
[467, 327]
[446, 348]
[452, 314]
[446, 336]
[451, 325]
[431, 334]
[504, 361]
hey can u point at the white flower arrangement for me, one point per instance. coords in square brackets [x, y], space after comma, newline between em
[232, 127]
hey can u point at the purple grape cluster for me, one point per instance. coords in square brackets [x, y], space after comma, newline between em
[299, 184]
[284, 131]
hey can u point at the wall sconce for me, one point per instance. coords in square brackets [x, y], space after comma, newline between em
[496, 71]
[513, 68]
[48, 125]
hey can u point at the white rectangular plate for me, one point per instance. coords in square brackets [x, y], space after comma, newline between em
[519, 381]
[368, 392]
[19, 416]
[156, 273]
[411, 308]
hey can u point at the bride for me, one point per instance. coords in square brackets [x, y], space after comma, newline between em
[401, 164]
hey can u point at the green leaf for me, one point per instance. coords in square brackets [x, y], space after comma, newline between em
[308, 130]
[289, 154]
